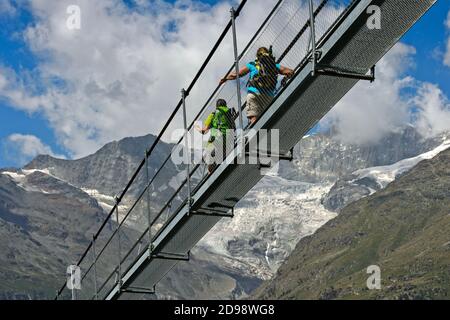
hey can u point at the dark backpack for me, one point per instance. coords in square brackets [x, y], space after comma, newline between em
[224, 118]
[266, 79]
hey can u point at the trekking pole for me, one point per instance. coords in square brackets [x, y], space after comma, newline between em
[236, 66]
[187, 154]
[313, 36]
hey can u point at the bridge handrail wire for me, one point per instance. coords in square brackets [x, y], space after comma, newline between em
[150, 151]
[166, 125]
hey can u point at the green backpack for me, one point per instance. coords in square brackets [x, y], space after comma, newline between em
[223, 120]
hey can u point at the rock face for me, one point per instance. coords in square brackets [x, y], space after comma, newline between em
[231, 261]
[109, 169]
[321, 158]
[48, 213]
[41, 233]
[348, 190]
[403, 229]
[364, 182]
[276, 214]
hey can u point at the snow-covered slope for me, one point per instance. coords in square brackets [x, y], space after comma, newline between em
[20, 177]
[268, 223]
[384, 175]
[238, 254]
[364, 182]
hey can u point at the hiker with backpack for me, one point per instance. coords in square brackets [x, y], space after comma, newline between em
[221, 123]
[262, 82]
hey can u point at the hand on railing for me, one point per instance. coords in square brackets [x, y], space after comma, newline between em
[287, 72]
[232, 75]
[200, 129]
[222, 81]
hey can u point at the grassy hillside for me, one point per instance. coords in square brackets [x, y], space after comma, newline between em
[404, 229]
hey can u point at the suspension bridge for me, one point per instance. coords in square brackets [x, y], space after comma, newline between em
[330, 46]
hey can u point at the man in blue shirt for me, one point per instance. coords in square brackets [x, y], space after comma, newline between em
[262, 83]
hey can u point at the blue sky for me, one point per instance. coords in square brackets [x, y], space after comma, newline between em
[429, 37]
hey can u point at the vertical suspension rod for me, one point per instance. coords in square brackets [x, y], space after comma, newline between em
[149, 218]
[313, 37]
[119, 266]
[236, 67]
[187, 153]
[95, 268]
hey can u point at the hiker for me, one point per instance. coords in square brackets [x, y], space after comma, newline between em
[221, 123]
[262, 82]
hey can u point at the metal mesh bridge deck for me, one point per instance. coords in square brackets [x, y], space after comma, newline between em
[343, 54]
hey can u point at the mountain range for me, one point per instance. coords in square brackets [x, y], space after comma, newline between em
[50, 208]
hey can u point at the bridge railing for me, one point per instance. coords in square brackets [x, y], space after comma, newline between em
[154, 194]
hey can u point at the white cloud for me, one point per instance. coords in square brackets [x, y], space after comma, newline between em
[21, 148]
[121, 74]
[371, 110]
[434, 107]
[447, 54]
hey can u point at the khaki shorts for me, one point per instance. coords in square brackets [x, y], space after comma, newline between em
[256, 104]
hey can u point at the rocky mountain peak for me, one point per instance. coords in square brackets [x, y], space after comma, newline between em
[109, 169]
[323, 158]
